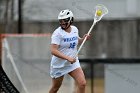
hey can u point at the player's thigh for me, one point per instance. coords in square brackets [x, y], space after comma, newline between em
[78, 75]
[57, 81]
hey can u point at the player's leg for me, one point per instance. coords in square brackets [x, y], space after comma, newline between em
[56, 83]
[79, 77]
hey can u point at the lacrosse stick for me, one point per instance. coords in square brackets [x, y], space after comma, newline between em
[101, 10]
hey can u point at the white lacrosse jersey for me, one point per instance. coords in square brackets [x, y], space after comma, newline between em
[67, 45]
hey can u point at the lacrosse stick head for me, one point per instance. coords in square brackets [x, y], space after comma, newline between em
[100, 11]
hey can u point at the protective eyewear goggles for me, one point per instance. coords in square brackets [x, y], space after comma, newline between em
[64, 20]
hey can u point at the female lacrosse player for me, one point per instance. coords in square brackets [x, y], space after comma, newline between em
[63, 48]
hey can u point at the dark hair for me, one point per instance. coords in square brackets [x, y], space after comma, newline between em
[71, 21]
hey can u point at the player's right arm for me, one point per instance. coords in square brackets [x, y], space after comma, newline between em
[57, 53]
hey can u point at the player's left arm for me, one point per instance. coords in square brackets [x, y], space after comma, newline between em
[80, 40]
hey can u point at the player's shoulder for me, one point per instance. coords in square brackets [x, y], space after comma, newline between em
[57, 32]
[74, 28]
[57, 29]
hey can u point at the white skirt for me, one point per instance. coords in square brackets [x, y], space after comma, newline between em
[58, 72]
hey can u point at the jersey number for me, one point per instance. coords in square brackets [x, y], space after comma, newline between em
[72, 45]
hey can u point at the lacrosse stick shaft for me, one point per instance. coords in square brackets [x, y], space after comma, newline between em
[85, 39]
[97, 18]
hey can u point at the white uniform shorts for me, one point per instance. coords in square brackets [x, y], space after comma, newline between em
[58, 72]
